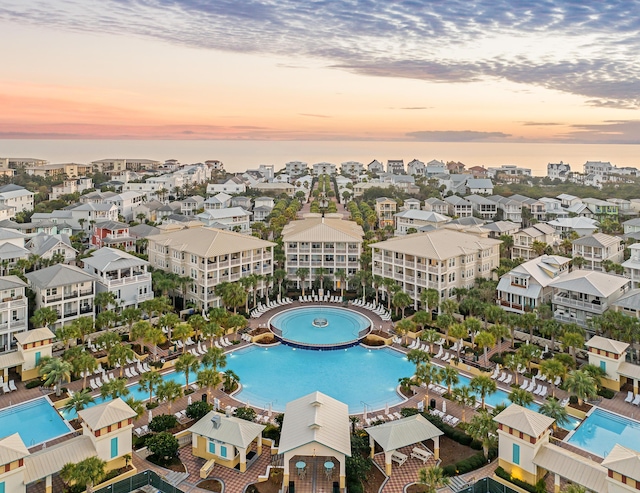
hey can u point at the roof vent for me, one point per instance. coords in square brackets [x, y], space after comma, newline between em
[216, 421]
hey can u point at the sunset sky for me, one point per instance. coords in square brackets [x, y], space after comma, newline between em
[454, 71]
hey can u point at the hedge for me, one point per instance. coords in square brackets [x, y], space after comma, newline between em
[501, 473]
[606, 393]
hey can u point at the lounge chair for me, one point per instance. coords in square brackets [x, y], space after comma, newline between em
[92, 384]
[629, 396]
[524, 384]
[507, 381]
[397, 415]
[636, 401]
[5, 387]
[229, 343]
[127, 373]
[133, 372]
[12, 385]
[391, 417]
[544, 392]
[420, 454]
[502, 377]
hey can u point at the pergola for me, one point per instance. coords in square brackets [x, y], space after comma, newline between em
[394, 435]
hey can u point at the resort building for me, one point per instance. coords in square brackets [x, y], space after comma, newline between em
[315, 425]
[122, 274]
[526, 287]
[598, 248]
[632, 266]
[459, 207]
[296, 168]
[583, 294]
[583, 226]
[113, 234]
[66, 289]
[210, 256]
[324, 243]
[558, 171]
[232, 219]
[224, 440]
[232, 185]
[385, 210]
[352, 168]
[71, 170]
[76, 185]
[540, 234]
[416, 219]
[16, 198]
[13, 310]
[442, 259]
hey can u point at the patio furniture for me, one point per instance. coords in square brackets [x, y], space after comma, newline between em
[420, 454]
[399, 458]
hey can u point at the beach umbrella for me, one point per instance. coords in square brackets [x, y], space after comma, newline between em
[150, 415]
[216, 403]
[270, 410]
[444, 406]
[189, 401]
[364, 413]
[386, 408]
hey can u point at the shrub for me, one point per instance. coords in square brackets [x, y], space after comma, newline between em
[573, 399]
[163, 422]
[606, 393]
[471, 463]
[497, 358]
[198, 410]
[408, 411]
[33, 384]
[246, 413]
[163, 445]
[449, 470]
[476, 445]
[501, 473]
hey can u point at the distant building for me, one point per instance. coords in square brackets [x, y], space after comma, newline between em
[16, 198]
[232, 185]
[509, 170]
[114, 234]
[385, 210]
[77, 185]
[375, 167]
[416, 168]
[324, 169]
[558, 171]
[352, 168]
[115, 166]
[395, 166]
[296, 168]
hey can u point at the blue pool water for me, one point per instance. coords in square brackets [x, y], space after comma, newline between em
[343, 325]
[601, 430]
[280, 374]
[36, 421]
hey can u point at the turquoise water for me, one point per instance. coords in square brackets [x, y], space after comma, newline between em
[355, 376]
[601, 430]
[36, 421]
[297, 325]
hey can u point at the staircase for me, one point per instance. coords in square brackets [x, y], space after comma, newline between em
[174, 478]
[457, 483]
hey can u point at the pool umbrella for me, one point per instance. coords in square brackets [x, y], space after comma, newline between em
[444, 406]
[216, 403]
[189, 401]
[386, 408]
[270, 410]
[150, 415]
[364, 413]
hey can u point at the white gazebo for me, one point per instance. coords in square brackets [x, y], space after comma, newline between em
[316, 425]
[394, 435]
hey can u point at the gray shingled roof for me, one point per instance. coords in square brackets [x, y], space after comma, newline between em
[58, 275]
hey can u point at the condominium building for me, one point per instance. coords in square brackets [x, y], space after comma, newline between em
[509, 170]
[296, 168]
[16, 198]
[71, 170]
[632, 266]
[65, 288]
[353, 168]
[210, 256]
[540, 233]
[13, 310]
[322, 243]
[324, 169]
[385, 210]
[597, 248]
[114, 166]
[122, 274]
[443, 259]
[75, 185]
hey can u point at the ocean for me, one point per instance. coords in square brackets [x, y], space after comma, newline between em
[239, 155]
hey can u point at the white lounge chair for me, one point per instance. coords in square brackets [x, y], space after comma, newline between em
[507, 381]
[629, 396]
[12, 385]
[636, 401]
[524, 384]
[127, 373]
[5, 387]
[502, 377]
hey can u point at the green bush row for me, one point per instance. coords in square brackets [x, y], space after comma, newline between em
[606, 393]
[538, 488]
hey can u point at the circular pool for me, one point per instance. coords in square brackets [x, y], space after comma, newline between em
[320, 327]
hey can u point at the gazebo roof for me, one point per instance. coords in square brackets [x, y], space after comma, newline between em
[406, 431]
[228, 429]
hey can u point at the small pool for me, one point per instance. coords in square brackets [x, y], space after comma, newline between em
[601, 430]
[36, 421]
[355, 376]
[321, 326]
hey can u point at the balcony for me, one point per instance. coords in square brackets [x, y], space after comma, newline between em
[595, 306]
[86, 309]
[13, 303]
[570, 319]
[511, 305]
[144, 297]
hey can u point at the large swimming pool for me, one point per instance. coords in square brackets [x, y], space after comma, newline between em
[601, 430]
[320, 325]
[36, 421]
[355, 376]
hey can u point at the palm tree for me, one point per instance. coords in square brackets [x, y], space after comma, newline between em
[131, 315]
[551, 328]
[529, 352]
[44, 317]
[119, 355]
[54, 371]
[426, 374]
[418, 357]
[79, 401]
[169, 391]
[279, 275]
[578, 262]
[390, 287]
[465, 397]
[181, 333]
[572, 340]
[341, 276]
[215, 358]
[154, 336]
[212, 330]
[66, 334]
[449, 376]
[430, 336]
[553, 409]
[432, 479]
[511, 321]
[246, 283]
[429, 299]
[138, 332]
[197, 323]
[233, 295]
[170, 321]
[136, 406]
[84, 326]
[484, 386]
[149, 381]
[513, 362]
[482, 427]
[459, 332]
[208, 378]
[582, 385]
[107, 340]
[86, 472]
[303, 275]
[485, 340]
[493, 314]
[114, 388]
[84, 364]
[553, 368]
[376, 282]
[448, 306]
[405, 326]
[445, 321]
[230, 380]
[521, 397]
[186, 364]
[104, 299]
[401, 300]
[506, 246]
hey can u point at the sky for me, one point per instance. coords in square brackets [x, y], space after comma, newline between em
[314, 70]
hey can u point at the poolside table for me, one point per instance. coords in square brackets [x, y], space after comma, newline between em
[328, 469]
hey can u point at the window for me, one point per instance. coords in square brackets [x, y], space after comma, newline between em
[212, 448]
[516, 454]
[603, 366]
[223, 451]
[38, 356]
[2, 490]
[114, 447]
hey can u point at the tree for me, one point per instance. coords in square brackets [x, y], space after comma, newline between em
[341, 276]
[44, 317]
[107, 340]
[246, 413]
[429, 299]
[120, 355]
[574, 488]
[131, 315]
[208, 378]
[485, 340]
[79, 401]
[578, 262]
[390, 287]
[445, 321]
[529, 352]
[87, 472]
[465, 397]
[169, 321]
[459, 332]
[303, 274]
[169, 391]
[181, 333]
[448, 306]
[581, 384]
[149, 381]
[449, 376]
[84, 364]
[553, 409]
[418, 357]
[484, 386]
[232, 294]
[426, 374]
[54, 371]
[103, 299]
[572, 340]
[66, 334]
[528, 321]
[83, 327]
[521, 397]
[279, 275]
[405, 326]
[482, 427]
[376, 282]
[114, 388]
[421, 318]
[513, 362]
[197, 323]
[187, 363]
[553, 368]
[154, 336]
[401, 300]
[163, 445]
[430, 336]
[432, 479]
[137, 407]
[506, 246]
[215, 358]
[552, 329]
[230, 380]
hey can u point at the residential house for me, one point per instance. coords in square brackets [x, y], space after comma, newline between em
[602, 209]
[478, 172]
[583, 226]
[558, 171]
[210, 256]
[632, 266]
[232, 185]
[499, 228]
[16, 198]
[598, 248]
[483, 207]
[139, 233]
[455, 167]
[583, 294]
[442, 260]
[168, 210]
[482, 186]
[112, 233]
[191, 205]
[241, 201]
[219, 201]
[351, 168]
[13, 310]
[415, 219]
[395, 166]
[459, 207]
[511, 209]
[568, 200]
[509, 172]
[526, 287]
[147, 209]
[540, 233]
[434, 168]
[296, 168]
[122, 274]
[276, 188]
[46, 246]
[324, 243]
[456, 184]
[375, 167]
[262, 209]
[385, 210]
[70, 186]
[629, 303]
[411, 205]
[12, 248]
[624, 206]
[416, 168]
[553, 208]
[631, 226]
[436, 205]
[535, 207]
[599, 168]
[231, 219]
[66, 289]
[125, 202]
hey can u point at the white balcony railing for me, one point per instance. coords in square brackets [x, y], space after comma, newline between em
[597, 307]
